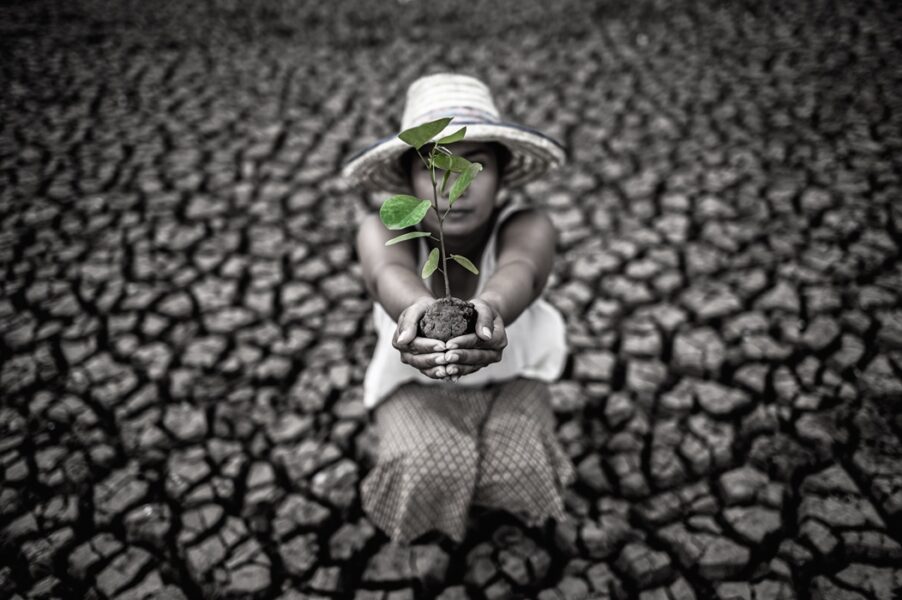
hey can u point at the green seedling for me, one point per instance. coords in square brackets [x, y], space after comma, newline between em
[403, 211]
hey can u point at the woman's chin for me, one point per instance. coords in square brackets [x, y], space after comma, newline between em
[467, 226]
[458, 229]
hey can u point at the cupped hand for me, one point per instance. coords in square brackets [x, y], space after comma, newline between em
[468, 353]
[424, 354]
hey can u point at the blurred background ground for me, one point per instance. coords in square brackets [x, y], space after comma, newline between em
[184, 331]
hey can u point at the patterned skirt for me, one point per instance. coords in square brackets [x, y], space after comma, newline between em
[443, 448]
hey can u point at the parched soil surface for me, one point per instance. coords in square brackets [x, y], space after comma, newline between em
[184, 329]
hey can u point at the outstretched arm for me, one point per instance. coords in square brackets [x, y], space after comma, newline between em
[389, 272]
[526, 244]
[525, 257]
[390, 276]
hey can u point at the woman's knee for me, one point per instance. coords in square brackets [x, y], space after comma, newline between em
[524, 400]
[441, 465]
[514, 453]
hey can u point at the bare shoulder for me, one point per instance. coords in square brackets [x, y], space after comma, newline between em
[372, 251]
[525, 230]
[370, 226]
[529, 237]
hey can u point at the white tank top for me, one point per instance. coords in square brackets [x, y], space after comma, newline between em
[537, 340]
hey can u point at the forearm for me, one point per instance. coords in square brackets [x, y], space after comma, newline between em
[510, 289]
[396, 288]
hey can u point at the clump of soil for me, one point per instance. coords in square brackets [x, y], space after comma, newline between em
[447, 318]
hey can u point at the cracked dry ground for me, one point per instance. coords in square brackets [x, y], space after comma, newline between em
[184, 329]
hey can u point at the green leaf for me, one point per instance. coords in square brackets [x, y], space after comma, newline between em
[454, 137]
[465, 263]
[462, 182]
[419, 135]
[457, 164]
[431, 264]
[445, 181]
[403, 211]
[407, 236]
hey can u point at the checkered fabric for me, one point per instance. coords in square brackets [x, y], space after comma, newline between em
[443, 448]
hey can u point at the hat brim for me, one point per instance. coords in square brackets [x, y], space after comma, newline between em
[378, 167]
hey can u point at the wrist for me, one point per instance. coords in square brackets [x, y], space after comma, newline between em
[424, 299]
[491, 299]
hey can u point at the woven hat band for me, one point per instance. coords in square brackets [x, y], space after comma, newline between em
[474, 115]
[448, 95]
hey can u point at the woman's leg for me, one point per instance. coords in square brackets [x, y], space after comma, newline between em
[522, 468]
[426, 466]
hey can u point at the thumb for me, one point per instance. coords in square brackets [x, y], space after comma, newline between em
[484, 322]
[407, 328]
[408, 322]
[406, 334]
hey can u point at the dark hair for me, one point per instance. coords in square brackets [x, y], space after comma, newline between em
[502, 153]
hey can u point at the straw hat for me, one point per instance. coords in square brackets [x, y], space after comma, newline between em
[469, 102]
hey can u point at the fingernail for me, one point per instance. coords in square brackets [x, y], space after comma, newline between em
[452, 370]
[452, 357]
[486, 332]
[451, 346]
[454, 379]
[440, 372]
[439, 347]
[440, 360]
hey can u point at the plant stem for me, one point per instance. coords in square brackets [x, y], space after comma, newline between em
[441, 232]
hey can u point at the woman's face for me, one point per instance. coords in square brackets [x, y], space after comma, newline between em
[474, 208]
